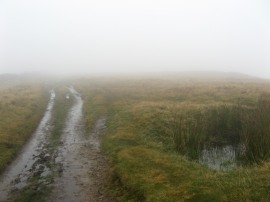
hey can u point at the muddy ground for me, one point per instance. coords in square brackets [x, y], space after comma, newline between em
[82, 169]
[76, 170]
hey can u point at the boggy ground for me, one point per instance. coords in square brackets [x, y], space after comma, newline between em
[141, 148]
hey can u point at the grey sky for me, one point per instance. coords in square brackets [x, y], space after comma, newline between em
[76, 36]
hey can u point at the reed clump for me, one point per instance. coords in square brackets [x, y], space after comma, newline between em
[187, 131]
[223, 125]
[255, 134]
[192, 130]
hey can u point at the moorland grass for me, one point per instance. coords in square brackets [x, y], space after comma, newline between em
[145, 164]
[21, 109]
[256, 131]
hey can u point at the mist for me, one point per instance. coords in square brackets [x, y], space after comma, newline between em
[124, 36]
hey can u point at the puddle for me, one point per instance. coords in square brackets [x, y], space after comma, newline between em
[46, 172]
[221, 158]
[22, 168]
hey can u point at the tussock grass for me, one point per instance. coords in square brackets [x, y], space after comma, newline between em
[256, 131]
[145, 164]
[187, 131]
[193, 128]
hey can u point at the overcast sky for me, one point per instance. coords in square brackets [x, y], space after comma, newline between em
[78, 36]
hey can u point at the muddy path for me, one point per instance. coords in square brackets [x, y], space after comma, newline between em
[81, 167]
[31, 161]
[75, 170]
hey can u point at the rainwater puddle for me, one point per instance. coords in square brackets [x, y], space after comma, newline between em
[223, 158]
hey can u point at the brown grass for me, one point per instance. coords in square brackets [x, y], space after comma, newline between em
[144, 163]
[21, 108]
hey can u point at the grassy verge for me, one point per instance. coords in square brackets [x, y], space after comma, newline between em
[21, 109]
[95, 103]
[145, 165]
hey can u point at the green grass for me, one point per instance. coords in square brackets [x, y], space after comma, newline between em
[95, 103]
[60, 112]
[33, 192]
[21, 109]
[145, 164]
[256, 131]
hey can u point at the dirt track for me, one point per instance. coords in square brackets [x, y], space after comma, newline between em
[78, 168]
[82, 168]
[28, 163]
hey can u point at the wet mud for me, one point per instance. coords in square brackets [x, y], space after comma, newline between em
[32, 160]
[81, 167]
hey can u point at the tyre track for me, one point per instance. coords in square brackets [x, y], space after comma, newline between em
[82, 168]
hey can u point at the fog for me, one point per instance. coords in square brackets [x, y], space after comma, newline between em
[104, 36]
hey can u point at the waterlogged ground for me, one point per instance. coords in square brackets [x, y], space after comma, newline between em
[221, 158]
[76, 170]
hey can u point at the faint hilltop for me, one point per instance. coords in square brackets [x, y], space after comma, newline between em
[179, 76]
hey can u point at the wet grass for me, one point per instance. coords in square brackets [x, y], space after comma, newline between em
[60, 112]
[145, 164]
[21, 109]
[256, 132]
[193, 129]
[96, 104]
[35, 191]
